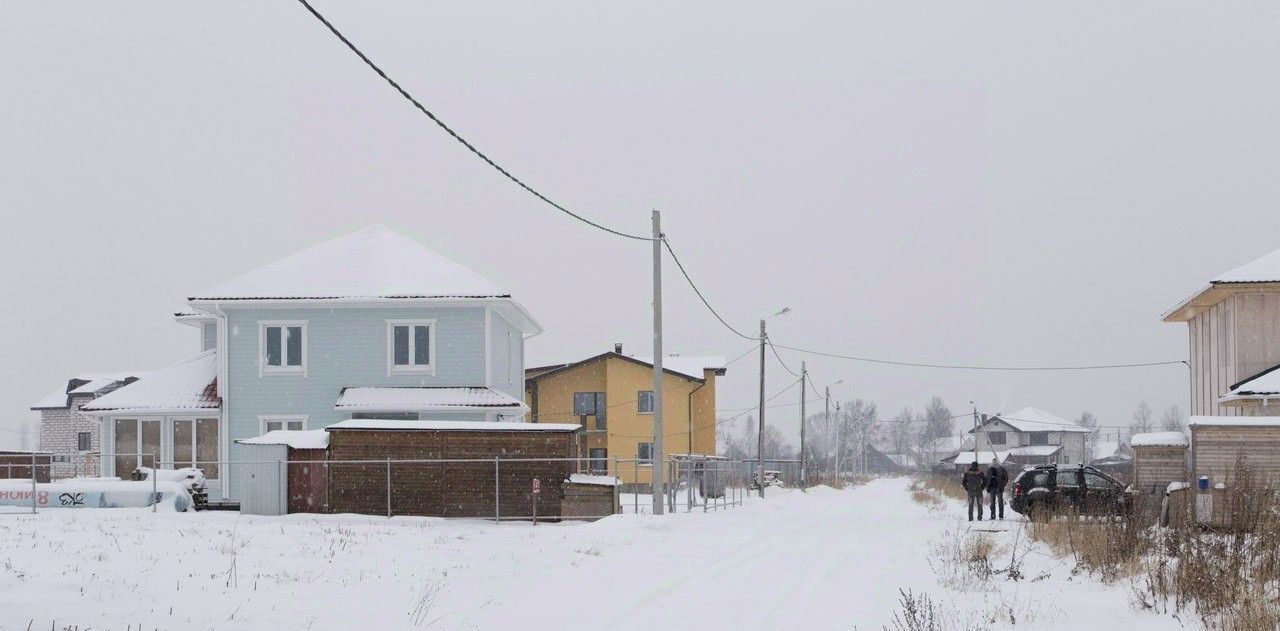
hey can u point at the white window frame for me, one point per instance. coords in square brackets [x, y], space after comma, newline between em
[411, 369]
[283, 369]
[172, 432]
[639, 394]
[283, 419]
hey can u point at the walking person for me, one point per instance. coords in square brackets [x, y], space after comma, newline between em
[974, 481]
[997, 478]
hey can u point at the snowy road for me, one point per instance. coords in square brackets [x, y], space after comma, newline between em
[822, 560]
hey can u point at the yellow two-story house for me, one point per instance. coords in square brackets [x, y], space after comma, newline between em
[611, 395]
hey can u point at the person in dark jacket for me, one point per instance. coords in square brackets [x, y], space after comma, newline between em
[997, 478]
[973, 482]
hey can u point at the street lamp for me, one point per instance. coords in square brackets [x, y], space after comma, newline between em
[764, 341]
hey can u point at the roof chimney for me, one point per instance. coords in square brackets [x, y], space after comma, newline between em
[617, 347]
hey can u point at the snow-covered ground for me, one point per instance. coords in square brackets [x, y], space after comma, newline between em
[825, 559]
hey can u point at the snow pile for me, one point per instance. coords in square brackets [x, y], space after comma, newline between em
[602, 480]
[1159, 439]
[189, 477]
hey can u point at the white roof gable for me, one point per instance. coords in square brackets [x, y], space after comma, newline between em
[375, 262]
[1262, 270]
[1032, 419]
[187, 386]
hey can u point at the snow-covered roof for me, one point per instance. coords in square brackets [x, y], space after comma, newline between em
[464, 426]
[905, 461]
[1108, 449]
[691, 366]
[295, 438]
[1159, 439]
[187, 386]
[1033, 419]
[94, 382]
[1035, 450]
[601, 480]
[1265, 269]
[1263, 385]
[375, 262]
[1234, 421]
[424, 399]
[983, 457]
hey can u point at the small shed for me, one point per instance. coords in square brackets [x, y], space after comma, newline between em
[1159, 458]
[285, 471]
[590, 496]
[1220, 443]
[449, 468]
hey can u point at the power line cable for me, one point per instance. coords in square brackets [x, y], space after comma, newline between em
[874, 360]
[697, 291]
[775, 354]
[458, 137]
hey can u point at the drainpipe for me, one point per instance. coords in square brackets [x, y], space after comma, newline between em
[690, 409]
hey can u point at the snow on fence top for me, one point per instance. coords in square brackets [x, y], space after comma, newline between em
[1234, 421]
[601, 480]
[423, 399]
[375, 262]
[462, 426]
[294, 438]
[1159, 439]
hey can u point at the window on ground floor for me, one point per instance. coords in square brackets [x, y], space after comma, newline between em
[599, 460]
[644, 453]
[195, 444]
[84, 441]
[137, 444]
[274, 423]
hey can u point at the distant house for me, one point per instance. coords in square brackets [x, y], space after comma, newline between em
[69, 435]
[1234, 334]
[370, 325]
[611, 396]
[880, 463]
[1114, 457]
[1027, 436]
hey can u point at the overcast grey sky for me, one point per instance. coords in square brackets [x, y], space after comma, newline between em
[1015, 183]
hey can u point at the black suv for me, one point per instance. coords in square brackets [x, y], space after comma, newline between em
[1080, 488]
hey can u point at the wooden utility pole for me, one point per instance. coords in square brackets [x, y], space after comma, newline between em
[804, 455]
[764, 340]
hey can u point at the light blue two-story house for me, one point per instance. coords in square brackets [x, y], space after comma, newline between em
[369, 325]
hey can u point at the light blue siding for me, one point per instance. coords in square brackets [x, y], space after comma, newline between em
[506, 369]
[208, 336]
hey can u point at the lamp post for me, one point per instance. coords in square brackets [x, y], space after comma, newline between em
[764, 341]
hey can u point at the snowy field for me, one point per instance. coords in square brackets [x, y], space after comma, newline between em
[823, 560]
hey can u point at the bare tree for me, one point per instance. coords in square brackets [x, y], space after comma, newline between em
[1142, 422]
[901, 429]
[1173, 419]
[937, 420]
[1087, 419]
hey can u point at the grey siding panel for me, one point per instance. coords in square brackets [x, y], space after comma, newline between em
[208, 335]
[506, 369]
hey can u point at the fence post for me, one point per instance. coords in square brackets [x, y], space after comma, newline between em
[33, 481]
[617, 488]
[388, 488]
[284, 484]
[635, 492]
[497, 493]
[155, 484]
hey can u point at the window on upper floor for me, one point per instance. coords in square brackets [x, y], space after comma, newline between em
[1038, 438]
[83, 441]
[411, 347]
[282, 348]
[996, 438]
[273, 423]
[591, 404]
[644, 453]
[644, 402]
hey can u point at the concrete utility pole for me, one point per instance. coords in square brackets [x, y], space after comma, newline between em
[975, 431]
[804, 455]
[827, 415]
[659, 461]
[760, 425]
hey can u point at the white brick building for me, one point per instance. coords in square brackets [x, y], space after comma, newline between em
[71, 436]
